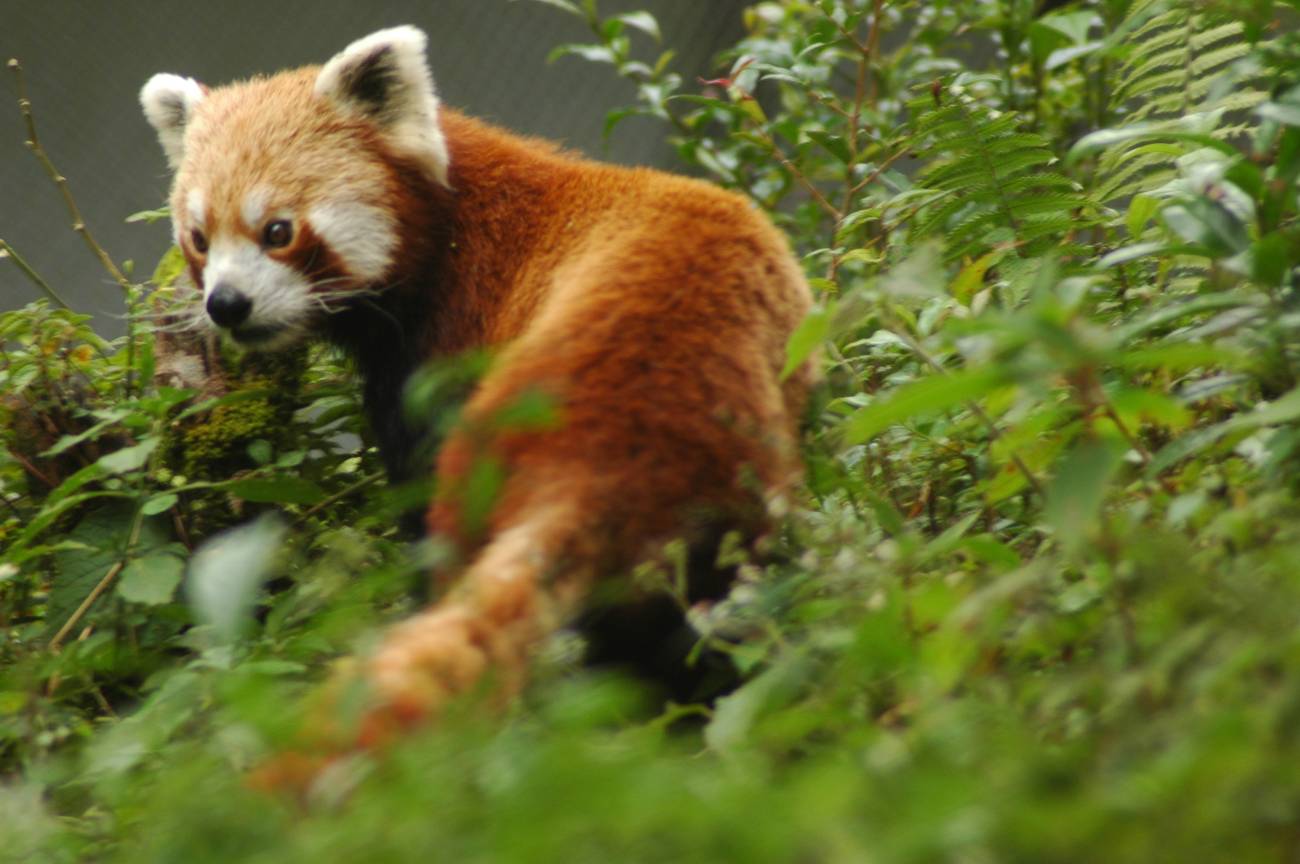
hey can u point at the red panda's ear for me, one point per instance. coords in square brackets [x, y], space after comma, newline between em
[385, 78]
[169, 102]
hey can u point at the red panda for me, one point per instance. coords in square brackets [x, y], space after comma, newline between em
[345, 202]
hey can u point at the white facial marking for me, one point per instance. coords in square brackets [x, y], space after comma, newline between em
[281, 297]
[363, 237]
[194, 208]
[254, 209]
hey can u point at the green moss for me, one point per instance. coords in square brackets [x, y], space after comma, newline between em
[215, 444]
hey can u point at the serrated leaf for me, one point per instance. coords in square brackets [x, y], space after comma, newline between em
[101, 540]
[151, 580]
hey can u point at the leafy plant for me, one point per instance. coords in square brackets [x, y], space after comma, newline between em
[1037, 603]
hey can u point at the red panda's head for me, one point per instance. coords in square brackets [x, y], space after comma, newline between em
[290, 190]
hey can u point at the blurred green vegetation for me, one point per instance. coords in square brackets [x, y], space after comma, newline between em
[1039, 601]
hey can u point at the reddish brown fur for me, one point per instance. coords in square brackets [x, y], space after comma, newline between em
[654, 310]
[651, 309]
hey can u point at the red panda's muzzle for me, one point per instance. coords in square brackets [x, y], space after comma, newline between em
[228, 307]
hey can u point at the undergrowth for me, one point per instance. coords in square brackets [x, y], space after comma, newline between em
[1037, 601]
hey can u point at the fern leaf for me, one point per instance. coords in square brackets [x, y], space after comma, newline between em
[1000, 183]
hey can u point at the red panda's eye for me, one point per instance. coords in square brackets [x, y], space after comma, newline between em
[199, 242]
[277, 233]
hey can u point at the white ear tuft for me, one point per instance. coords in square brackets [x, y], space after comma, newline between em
[385, 78]
[169, 102]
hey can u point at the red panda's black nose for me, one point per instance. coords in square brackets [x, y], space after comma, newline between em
[227, 306]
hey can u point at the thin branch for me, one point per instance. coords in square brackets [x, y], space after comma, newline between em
[855, 119]
[89, 601]
[99, 588]
[7, 251]
[873, 40]
[340, 495]
[880, 169]
[78, 222]
[816, 193]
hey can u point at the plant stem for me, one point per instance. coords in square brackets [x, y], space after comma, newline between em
[99, 588]
[78, 222]
[7, 251]
[974, 407]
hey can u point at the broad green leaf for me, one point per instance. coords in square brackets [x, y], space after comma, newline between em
[971, 277]
[159, 504]
[591, 52]
[1076, 493]
[834, 144]
[1270, 259]
[170, 266]
[128, 458]
[736, 715]
[1074, 26]
[283, 489]
[643, 21]
[1062, 56]
[920, 398]
[810, 333]
[151, 580]
[1140, 211]
[102, 538]
[260, 451]
[1207, 223]
[1285, 409]
[109, 418]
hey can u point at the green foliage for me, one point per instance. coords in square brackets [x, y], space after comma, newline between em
[1037, 602]
[987, 184]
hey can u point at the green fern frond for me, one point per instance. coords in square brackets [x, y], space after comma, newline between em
[999, 183]
[1178, 55]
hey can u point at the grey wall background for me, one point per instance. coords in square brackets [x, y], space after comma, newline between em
[86, 61]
